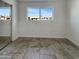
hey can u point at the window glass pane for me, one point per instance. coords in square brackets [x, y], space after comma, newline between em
[33, 13]
[47, 13]
[5, 13]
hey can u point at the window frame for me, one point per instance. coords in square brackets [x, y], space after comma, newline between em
[53, 12]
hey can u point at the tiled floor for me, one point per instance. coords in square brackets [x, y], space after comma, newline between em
[41, 48]
[4, 41]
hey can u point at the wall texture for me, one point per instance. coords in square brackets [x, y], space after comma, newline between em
[73, 21]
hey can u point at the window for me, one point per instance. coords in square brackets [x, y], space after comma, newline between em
[5, 13]
[40, 13]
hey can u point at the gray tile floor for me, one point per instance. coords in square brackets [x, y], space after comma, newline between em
[41, 48]
[4, 41]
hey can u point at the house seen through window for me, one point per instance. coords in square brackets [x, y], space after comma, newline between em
[40, 13]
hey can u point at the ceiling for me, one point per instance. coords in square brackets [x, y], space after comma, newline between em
[3, 4]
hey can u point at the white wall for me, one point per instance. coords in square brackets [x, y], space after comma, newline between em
[53, 29]
[14, 17]
[73, 21]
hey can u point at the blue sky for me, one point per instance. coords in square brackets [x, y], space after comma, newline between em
[44, 12]
[5, 11]
[47, 12]
[33, 12]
